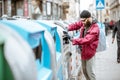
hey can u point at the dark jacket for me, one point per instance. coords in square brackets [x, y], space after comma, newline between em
[106, 25]
[89, 42]
[116, 29]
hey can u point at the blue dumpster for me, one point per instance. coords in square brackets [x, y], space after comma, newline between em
[53, 30]
[54, 33]
[74, 50]
[16, 56]
[34, 35]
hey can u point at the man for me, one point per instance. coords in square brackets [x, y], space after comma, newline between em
[106, 26]
[111, 24]
[117, 30]
[88, 40]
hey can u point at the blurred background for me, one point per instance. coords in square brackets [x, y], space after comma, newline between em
[43, 44]
[58, 9]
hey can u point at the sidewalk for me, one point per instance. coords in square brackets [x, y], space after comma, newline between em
[107, 67]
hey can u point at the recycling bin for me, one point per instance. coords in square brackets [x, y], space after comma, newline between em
[71, 62]
[56, 36]
[41, 42]
[16, 56]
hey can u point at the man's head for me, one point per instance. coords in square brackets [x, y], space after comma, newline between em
[86, 17]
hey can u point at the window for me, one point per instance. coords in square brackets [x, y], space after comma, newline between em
[48, 8]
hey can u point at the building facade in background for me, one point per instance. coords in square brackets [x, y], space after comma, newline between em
[114, 9]
[44, 9]
[57, 9]
[74, 10]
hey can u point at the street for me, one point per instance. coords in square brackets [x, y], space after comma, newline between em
[107, 67]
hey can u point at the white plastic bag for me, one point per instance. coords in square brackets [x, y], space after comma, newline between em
[102, 38]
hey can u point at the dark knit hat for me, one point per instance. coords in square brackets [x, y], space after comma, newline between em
[85, 14]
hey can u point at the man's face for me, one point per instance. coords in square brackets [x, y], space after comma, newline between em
[86, 21]
[83, 20]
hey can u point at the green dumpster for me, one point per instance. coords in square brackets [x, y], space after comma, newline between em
[5, 71]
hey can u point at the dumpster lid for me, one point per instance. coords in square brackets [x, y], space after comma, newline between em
[47, 24]
[60, 23]
[29, 26]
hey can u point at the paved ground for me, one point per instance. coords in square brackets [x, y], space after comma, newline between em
[107, 67]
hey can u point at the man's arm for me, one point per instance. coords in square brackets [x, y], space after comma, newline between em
[75, 26]
[87, 39]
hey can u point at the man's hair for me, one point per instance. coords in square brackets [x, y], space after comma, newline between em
[85, 14]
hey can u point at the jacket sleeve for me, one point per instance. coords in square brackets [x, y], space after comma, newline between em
[75, 26]
[90, 37]
[114, 31]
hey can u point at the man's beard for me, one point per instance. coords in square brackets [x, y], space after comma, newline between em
[88, 23]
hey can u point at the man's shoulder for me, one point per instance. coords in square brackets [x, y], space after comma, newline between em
[95, 25]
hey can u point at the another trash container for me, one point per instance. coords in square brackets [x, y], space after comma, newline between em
[16, 56]
[38, 40]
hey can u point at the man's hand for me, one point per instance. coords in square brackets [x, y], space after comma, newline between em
[73, 41]
[113, 40]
